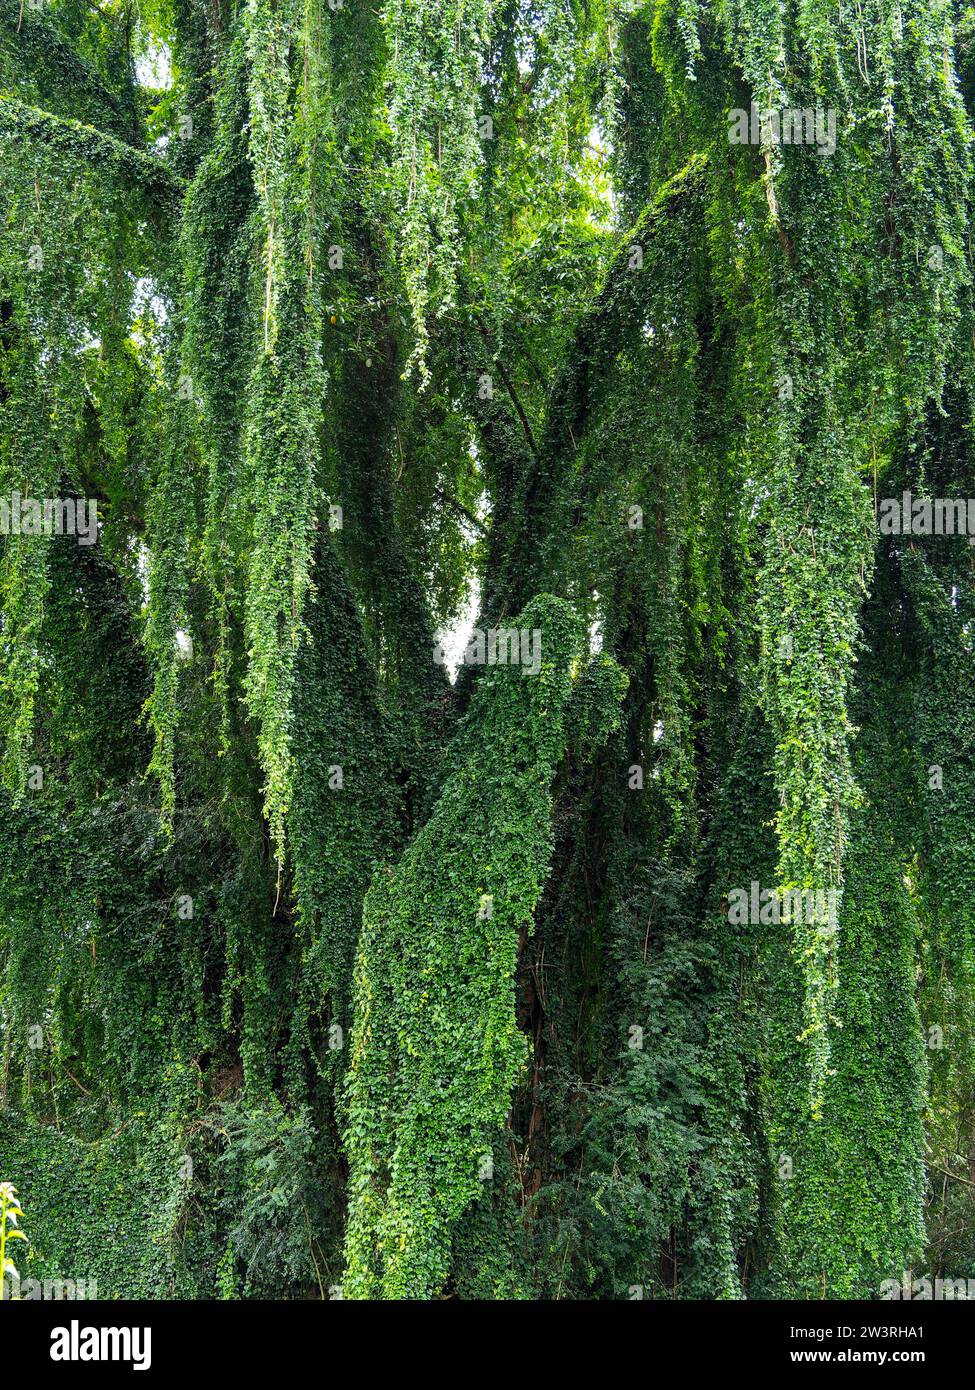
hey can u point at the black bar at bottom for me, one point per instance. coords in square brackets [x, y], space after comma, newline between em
[252, 1338]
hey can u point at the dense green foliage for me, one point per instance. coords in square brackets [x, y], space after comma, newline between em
[327, 970]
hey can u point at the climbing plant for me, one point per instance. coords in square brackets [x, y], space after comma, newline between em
[486, 666]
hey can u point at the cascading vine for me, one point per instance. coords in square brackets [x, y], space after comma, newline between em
[436, 1047]
[61, 347]
[611, 327]
[853, 309]
[286, 387]
[434, 70]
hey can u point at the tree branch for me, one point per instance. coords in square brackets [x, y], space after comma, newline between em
[84, 142]
[461, 510]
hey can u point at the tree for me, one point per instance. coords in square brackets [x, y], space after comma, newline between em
[486, 627]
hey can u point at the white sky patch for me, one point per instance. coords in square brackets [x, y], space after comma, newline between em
[596, 631]
[600, 149]
[146, 300]
[89, 343]
[155, 69]
[142, 567]
[453, 640]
